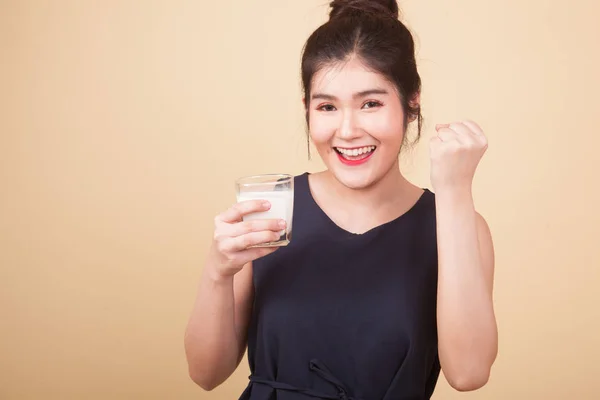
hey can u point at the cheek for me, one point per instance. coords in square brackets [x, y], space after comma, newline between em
[386, 127]
[321, 128]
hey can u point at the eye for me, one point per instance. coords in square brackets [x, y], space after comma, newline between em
[326, 107]
[371, 104]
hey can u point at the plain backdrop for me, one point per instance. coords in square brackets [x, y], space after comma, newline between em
[123, 125]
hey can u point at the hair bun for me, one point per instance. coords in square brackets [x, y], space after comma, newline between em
[346, 8]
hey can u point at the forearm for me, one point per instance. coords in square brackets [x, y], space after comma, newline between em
[211, 341]
[466, 322]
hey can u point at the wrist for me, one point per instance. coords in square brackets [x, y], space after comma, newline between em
[456, 191]
[454, 198]
[216, 277]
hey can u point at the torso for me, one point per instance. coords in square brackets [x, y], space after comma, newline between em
[339, 315]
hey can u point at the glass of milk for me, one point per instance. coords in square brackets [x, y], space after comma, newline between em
[277, 189]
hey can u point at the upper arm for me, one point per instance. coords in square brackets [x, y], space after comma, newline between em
[486, 250]
[243, 293]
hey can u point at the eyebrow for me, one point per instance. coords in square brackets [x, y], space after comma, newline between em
[358, 95]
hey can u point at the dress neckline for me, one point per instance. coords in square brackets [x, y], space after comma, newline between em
[370, 231]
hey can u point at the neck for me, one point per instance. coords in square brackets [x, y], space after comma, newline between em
[388, 190]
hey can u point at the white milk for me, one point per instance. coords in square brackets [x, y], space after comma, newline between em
[282, 207]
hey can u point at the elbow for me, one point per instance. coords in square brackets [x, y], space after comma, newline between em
[467, 375]
[466, 370]
[205, 377]
[209, 375]
[206, 382]
[469, 381]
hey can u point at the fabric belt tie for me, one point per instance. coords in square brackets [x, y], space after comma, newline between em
[321, 370]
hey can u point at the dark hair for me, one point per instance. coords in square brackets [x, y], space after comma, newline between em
[369, 30]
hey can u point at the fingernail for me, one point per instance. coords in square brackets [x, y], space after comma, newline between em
[282, 223]
[266, 204]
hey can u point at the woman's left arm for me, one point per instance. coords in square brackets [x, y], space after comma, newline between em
[467, 330]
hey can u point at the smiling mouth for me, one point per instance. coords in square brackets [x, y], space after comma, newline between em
[355, 154]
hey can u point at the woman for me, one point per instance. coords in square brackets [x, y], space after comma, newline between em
[384, 283]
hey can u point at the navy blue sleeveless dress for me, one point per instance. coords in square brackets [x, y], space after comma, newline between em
[346, 316]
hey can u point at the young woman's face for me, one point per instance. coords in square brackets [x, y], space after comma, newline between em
[356, 122]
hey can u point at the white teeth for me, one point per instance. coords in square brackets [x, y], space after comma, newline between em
[356, 152]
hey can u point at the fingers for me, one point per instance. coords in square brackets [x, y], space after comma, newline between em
[463, 132]
[237, 211]
[243, 228]
[477, 132]
[233, 235]
[234, 238]
[447, 135]
[461, 129]
[246, 256]
[435, 140]
[476, 129]
[243, 242]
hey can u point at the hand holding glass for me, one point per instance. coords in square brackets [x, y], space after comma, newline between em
[278, 190]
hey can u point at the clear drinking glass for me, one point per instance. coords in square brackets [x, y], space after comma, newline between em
[277, 189]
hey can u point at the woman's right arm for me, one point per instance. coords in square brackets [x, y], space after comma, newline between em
[216, 334]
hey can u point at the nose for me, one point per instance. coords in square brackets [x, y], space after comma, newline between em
[348, 128]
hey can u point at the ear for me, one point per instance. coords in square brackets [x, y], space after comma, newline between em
[415, 102]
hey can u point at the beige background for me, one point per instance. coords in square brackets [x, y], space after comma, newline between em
[124, 123]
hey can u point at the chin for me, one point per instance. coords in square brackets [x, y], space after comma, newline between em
[354, 183]
[357, 180]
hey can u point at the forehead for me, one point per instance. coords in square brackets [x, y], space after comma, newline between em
[346, 78]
